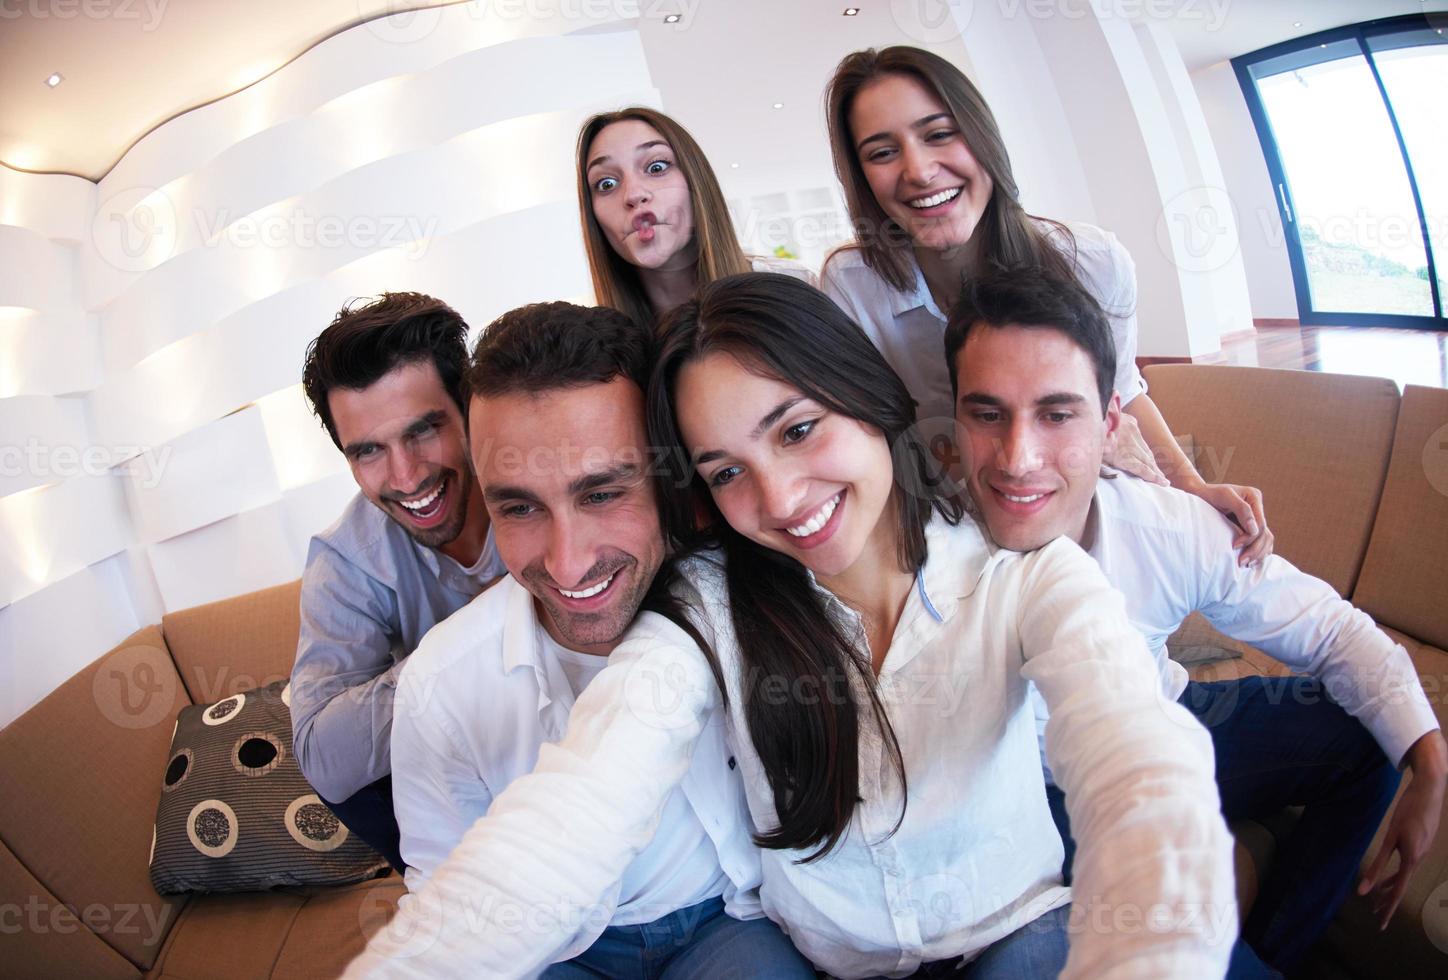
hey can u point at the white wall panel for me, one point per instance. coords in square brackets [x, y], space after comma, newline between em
[27, 276]
[51, 532]
[43, 440]
[204, 476]
[247, 551]
[302, 451]
[46, 638]
[53, 205]
[47, 354]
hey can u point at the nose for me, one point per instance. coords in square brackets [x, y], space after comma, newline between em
[570, 553]
[406, 470]
[781, 494]
[636, 193]
[1018, 452]
[918, 163]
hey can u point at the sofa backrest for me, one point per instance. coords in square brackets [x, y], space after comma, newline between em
[1317, 445]
[82, 773]
[234, 645]
[1404, 581]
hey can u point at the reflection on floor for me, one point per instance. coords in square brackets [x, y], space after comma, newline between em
[1418, 357]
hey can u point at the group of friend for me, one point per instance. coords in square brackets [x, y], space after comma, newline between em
[663, 641]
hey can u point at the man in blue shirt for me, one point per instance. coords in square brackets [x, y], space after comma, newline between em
[387, 380]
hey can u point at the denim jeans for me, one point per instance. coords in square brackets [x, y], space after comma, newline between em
[700, 942]
[1280, 742]
[368, 814]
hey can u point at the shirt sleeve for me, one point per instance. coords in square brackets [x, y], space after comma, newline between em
[436, 795]
[344, 678]
[1109, 273]
[525, 879]
[1138, 774]
[1299, 620]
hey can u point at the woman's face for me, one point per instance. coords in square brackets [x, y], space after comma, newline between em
[917, 164]
[785, 471]
[640, 197]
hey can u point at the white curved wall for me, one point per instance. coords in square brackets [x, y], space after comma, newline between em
[157, 450]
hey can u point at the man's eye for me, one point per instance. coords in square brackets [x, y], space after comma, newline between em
[604, 184]
[366, 452]
[987, 417]
[516, 510]
[1058, 417]
[657, 167]
[798, 431]
[601, 497]
[724, 476]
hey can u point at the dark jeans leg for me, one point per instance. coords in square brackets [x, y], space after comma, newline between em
[1281, 742]
[368, 814]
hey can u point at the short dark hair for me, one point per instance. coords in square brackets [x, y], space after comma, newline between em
[1033, 297]
[362, 343]
[546, 346]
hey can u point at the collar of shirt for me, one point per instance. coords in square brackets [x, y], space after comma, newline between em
[523, 648]
[903, 303]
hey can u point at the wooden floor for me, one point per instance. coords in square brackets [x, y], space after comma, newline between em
[1418, 357]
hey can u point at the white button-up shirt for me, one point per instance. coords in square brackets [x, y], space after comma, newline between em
[477, 702]
[977, 855]
[1170, 553]
[909, 329]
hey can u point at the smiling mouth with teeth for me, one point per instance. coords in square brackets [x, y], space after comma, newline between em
[819, 520]
[427, 506]
[1021, 500]
[935, 199]
[589, 592]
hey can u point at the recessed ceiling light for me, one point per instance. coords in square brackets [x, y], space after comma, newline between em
[1297, 23]
[55, 79]
[779, 105]
[673, 18]
[851, 11]
[733, 166]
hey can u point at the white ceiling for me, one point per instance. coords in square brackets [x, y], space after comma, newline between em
[132, 64]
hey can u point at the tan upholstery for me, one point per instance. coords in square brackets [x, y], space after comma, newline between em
[1405, 575]
[41, 939]
[1316, 445]
[235, 645]
[298, 933]
[82, 772]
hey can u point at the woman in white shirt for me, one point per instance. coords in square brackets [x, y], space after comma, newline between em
[929, 186]
[655, 225]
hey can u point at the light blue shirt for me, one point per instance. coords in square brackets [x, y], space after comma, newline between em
[369, 594]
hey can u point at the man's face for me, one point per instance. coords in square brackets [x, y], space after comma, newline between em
[565, 478]
[403, 436]
[1028, 418]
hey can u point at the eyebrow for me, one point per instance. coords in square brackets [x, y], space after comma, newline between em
[1054, 398]
[603, 158]
[923, 121]
[433, 418]
[621, 473]
[771, 417]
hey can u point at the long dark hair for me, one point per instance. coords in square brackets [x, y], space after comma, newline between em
[616, 283]
[1009, 237]
[790, 331]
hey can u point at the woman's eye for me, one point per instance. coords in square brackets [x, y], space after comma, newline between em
[604, 184]
[657, 167]
[876, 156]
[798, 431]
[722, 477]
[940, 135]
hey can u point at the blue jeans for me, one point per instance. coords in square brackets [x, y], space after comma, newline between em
[1035, 950]
[368, 814]
[700, 942]
[1280, 742]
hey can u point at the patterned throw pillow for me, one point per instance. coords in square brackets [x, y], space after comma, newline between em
[235, 813]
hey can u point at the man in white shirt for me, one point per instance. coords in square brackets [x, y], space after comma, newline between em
[1032, 363]
[559, 448]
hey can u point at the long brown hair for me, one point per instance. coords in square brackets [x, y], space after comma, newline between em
[616, 283]
[1010, 236]
[788, 639]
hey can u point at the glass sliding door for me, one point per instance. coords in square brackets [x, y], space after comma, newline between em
[1354, 127]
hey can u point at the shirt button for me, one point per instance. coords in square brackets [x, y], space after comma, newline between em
[731, 762]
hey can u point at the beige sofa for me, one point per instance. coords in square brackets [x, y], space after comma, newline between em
[1356, 491]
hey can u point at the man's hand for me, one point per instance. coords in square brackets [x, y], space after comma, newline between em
[1243, 507]
[1127, 450]
[1412, 828]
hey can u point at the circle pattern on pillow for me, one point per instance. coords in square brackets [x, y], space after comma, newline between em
[234, 811]
[212, 828]
[224, 710]
[313, 825]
